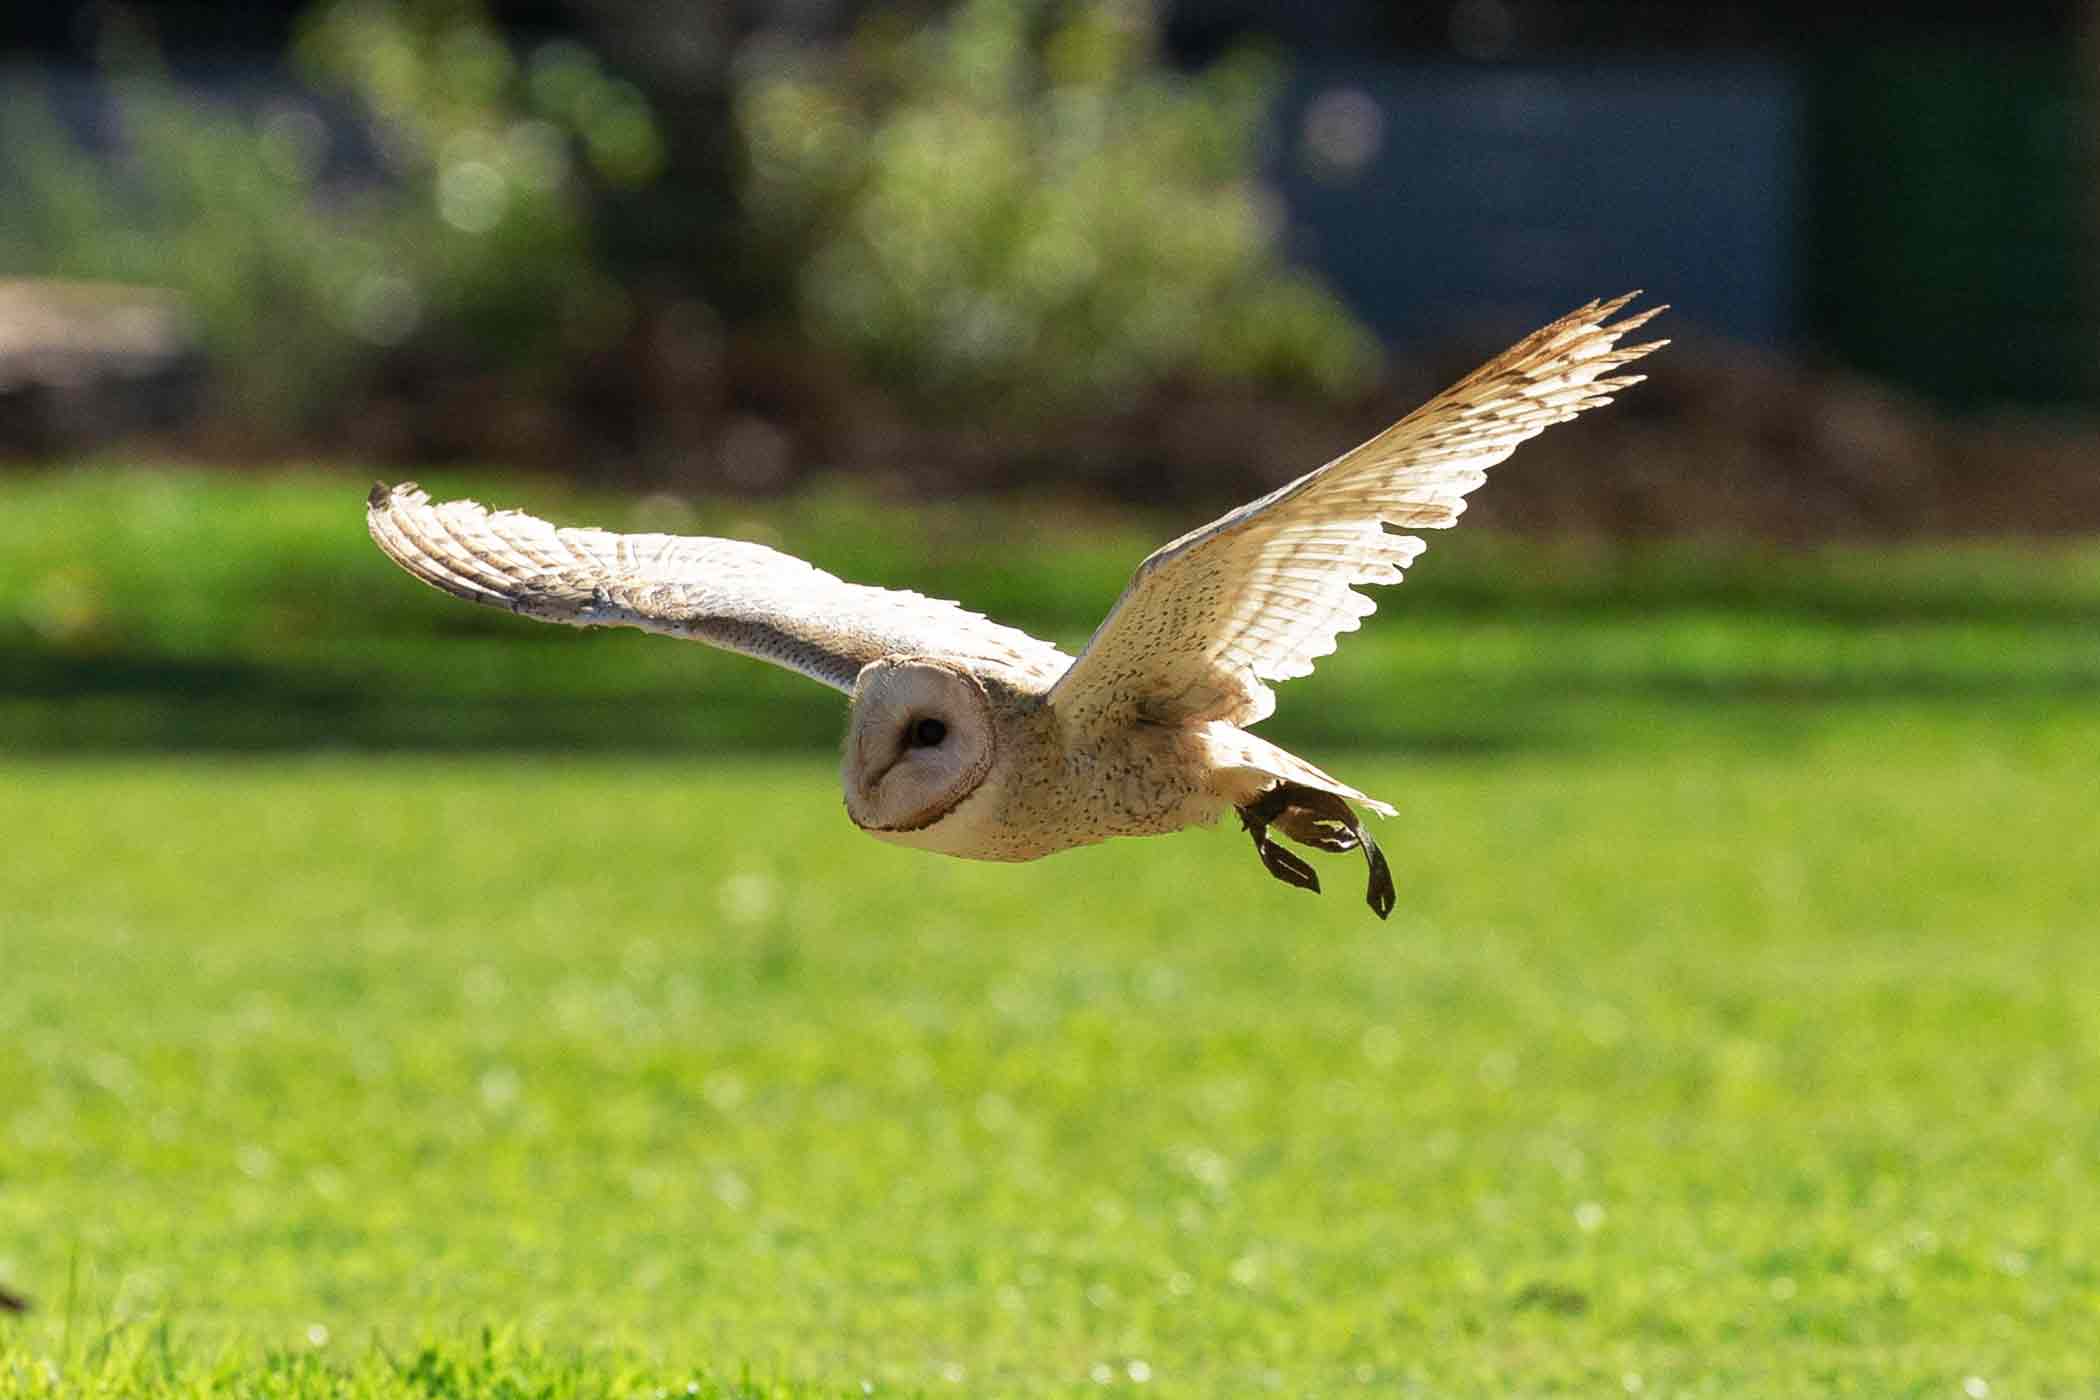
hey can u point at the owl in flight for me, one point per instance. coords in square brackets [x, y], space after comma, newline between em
[974, 739]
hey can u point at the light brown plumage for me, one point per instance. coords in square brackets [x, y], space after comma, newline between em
[1142, 733]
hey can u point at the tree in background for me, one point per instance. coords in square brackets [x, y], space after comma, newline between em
[1013, 211]
[1019, 208]
[465, 229]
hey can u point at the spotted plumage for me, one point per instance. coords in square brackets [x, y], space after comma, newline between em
[975, 739]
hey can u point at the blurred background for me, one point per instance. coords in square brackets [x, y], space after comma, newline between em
[372, 965]
[1156, 252]
[786, 268]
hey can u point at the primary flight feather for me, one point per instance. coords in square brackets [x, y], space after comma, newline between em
[975, 739]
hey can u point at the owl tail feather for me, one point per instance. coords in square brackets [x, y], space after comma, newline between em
[1323, 821]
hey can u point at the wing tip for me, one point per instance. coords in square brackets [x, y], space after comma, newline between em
[383, 497]
[1597, 313]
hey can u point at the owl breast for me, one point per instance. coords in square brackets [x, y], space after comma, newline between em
[1047, 792]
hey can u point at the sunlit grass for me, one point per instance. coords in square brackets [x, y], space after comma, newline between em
[1736, 1033]
[187, 611]
[1729, 1072]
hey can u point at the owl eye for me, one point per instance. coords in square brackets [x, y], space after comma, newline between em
[928, 733]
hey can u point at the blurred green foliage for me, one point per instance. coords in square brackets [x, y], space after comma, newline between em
[1014, 209]
[472, 230]
[1019, 205]
[189, 611]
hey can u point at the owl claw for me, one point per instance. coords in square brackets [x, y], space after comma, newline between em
[1324, 822]
[1284, 864]
[1381, 895]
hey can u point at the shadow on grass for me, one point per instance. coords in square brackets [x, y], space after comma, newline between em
[1788, 598]
[141, 701]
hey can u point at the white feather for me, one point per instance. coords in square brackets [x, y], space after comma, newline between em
[733, 594]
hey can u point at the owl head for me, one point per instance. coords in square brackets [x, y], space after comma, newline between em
[919, 739]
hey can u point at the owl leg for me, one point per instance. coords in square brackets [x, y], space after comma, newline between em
[1285, 865]
[1324, 822]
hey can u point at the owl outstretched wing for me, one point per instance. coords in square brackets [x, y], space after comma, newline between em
[733, 594]
[1261, 593]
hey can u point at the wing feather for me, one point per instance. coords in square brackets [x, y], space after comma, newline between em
[1263, 592]
[733, 594]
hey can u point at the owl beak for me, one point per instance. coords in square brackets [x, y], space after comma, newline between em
[872, 768]
[864, 786]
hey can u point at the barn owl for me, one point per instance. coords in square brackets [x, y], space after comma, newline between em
[975, 739]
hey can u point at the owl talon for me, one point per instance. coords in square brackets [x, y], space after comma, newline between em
[1324, 822]
[1381, 895]
[1284, 864]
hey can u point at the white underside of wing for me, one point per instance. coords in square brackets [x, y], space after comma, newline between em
[733, 594]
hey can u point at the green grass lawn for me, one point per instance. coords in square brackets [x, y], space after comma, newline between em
[383, 1012]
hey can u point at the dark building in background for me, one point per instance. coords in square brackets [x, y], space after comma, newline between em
[1951, 199]
[1909, 189]
[1432, 190]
